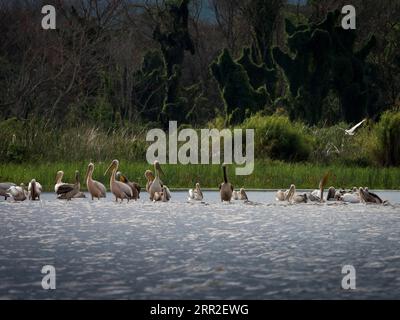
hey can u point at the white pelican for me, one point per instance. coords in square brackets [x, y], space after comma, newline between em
[67, 191]
[282, 195]
[196, 193]
[352, 131]
[318, 195]
[156, 185]
[164, 195]
[4, 186]
[294, 197]
[34, 189]
[225, 188]
[235, 195]
[95, 188]
[18, 193]
[59, 182]
[133, 185]
[350, 196]
[119, 189]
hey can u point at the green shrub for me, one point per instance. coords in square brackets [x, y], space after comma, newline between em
[279, 139]
[387, 151]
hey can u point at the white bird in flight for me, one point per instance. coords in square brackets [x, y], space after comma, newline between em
[352, 131]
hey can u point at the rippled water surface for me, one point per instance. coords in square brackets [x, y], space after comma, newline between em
[182, 250]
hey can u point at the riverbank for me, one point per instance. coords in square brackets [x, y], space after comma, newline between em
[266, 175]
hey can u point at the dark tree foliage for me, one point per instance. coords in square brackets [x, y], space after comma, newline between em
[323, 58]
[172, 33]
[240, 97]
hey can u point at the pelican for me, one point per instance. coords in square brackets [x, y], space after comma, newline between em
[96, 188]
[333, 195]
[150, 178]
[225, 188]
[59, 182]
[243, 195]
[235, 195]
[282, 195]
[119, 189]
[156, 185]
[34, 189]
[164, 195]
[351, 196]
[18, 193]
[369, 197]
[67, 191]
[318, 195]
[4, 186]
[196, 194]
[294, 197]
[133, 185]
[352, 131]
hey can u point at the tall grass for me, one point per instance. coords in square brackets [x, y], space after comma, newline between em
[266, 175]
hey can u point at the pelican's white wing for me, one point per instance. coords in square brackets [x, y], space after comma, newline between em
[352, 130]
[191, 194]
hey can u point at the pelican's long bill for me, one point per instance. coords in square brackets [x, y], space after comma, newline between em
[112, 166]
[89, 168]
[158, 167]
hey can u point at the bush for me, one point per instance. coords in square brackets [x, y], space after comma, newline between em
[279, 139]
[387, 151]
[332, 145]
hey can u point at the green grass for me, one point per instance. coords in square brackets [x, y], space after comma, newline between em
[266, 175]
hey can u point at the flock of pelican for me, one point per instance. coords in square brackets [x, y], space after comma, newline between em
[122, 188]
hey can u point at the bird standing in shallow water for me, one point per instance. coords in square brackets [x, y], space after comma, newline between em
[34, 190]
[119, 189]
[95, 188]
[68, 191]
[196, 193]
[225, 188]
[133, 185]
[156, 185]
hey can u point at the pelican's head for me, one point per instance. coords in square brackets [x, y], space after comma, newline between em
[120, 177]
[149, 175]
[33, 181]
[242, 191]
[157, 167]
[90, 169]
[355, 189]
[197, 185]
[114, 165]
[77, 176]
[59, 176]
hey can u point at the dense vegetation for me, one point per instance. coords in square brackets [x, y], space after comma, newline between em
[91, 89]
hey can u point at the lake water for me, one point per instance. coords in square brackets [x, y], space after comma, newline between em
[181, 250]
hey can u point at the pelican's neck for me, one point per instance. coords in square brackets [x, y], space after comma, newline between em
[59, 179]
[156, 171]
[90, 175]
[112, 179]
[225, 177]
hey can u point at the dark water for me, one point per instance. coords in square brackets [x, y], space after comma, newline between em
[181, 250]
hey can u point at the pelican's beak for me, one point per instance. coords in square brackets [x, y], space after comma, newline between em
[112, 165]
[87, 173]
[158, 167]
